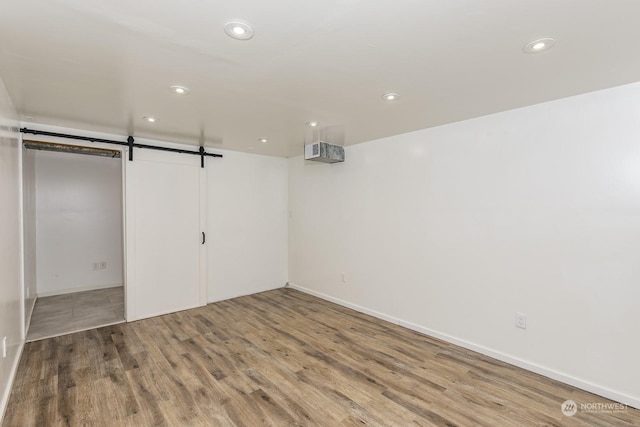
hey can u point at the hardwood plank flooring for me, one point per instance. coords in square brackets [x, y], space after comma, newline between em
[280, 358]
[64, 314]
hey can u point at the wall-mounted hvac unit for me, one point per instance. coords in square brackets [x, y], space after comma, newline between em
[324, 152]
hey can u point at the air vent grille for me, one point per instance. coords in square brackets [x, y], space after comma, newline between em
[324, 152]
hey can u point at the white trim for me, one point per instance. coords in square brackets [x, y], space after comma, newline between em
[524, 364]
[28, 323]
[78, 289]
[6, 393]
[129, 212]
[124, 154]
[23, 297]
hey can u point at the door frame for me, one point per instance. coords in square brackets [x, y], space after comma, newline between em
[123, 159]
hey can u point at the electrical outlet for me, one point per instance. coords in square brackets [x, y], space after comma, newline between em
[521, 320]
[4, 347]
[96, 266]
[343, 278]
[103, 265]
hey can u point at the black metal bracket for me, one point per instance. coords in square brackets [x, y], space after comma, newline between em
[130, 143]
[204, 238]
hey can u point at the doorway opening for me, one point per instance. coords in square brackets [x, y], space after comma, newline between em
[73, 245]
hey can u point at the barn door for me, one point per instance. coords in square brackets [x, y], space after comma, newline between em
[165, 217]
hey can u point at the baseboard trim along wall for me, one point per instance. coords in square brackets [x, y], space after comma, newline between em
[6, 393]
[28, 323]
[524, 364]
[78, 289]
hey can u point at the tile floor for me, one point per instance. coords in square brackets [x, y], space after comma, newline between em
[63, 314]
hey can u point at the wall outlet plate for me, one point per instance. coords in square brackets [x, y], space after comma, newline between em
[521, 320]
[99, 265]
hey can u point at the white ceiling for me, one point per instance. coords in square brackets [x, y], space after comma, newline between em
[103, 65]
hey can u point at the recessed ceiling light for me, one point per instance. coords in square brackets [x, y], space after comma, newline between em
[539, 45]
[313, 123]
[180, 90]
[28, 118]
[390, 96]
[263, 140]
[150, 119]
[238, 30]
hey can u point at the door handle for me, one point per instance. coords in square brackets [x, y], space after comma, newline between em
[204, 238]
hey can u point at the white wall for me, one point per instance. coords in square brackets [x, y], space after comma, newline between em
[11, 317]
[247, 224]
[452, 230]
[79, 222]
[29, 230]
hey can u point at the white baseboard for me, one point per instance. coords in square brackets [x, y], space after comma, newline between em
[26, 327]
[78, 289]
[521, 363]
[6, 393]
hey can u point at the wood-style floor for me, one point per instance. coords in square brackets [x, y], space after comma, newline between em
[279, 358]
[78, 311]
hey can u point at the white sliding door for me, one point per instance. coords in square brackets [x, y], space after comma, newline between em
[165, 213]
